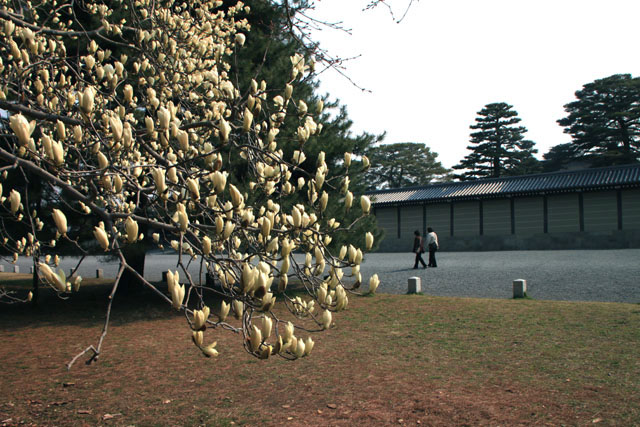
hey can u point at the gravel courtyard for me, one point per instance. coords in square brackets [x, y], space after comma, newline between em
[576, 275]
[572, 275]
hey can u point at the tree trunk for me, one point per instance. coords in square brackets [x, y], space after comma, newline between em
[35, 290]
[135, 256]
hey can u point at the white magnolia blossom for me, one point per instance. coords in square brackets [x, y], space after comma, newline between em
[164, 137]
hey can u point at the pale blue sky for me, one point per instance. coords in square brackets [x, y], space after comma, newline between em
[430, 74]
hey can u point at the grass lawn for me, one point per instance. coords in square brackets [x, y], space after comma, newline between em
[391, 359]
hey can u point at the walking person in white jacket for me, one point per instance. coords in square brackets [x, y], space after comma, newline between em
[432, 244]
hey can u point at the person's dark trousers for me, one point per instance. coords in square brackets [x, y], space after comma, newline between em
[419, 260]
[432, 259]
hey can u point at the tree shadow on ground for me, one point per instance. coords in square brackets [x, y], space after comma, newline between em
[87, 307]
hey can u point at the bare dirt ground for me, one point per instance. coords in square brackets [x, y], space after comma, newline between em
[390, 359]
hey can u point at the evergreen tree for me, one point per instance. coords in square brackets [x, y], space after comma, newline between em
[403, 165]
[604, 121]
[499, 147]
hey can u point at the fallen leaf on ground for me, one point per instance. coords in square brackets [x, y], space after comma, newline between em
[286, 406]
[332, 406]
[68, 384]
[597, 420]
[84, 411]
[166, 401]
[110, 416]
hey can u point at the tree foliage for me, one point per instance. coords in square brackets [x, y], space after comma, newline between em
[499, 147]
[138, 119]
[604, 120]
[403, 165]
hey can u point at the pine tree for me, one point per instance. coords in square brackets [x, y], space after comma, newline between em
[498, 147]
[604, 121]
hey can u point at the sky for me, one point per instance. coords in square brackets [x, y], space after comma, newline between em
[427, 77]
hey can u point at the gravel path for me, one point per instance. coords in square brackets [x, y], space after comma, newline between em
[576, 275]
[608, 275]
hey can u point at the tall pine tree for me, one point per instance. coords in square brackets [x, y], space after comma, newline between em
[498, 147]
[604, 121]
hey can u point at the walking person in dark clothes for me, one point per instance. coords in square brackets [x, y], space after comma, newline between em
[432, 244]
[418, 249]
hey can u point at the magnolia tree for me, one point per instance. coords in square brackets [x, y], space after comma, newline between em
[128, 114]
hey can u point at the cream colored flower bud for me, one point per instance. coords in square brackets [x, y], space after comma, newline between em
[247, 120]
[255, 338]
[324, 199]
[365, 203]
[228, 229]
[224, 310]
[131, 227]
[101, 236]
[219, 181]
[308, 346]
[206, 245]
[326, 319]
[365, 162]
[240, 39]
[225, 130]
[278, 101]
[148, 122]
[128, 93]
[265, 328]
[77, 134]
[58, 153]
[302, 107]
[61, 130]
[103, 162]
[319, 106]
[156, 237]
[22, 128]
[87, 100]
[368, 240]
[183, 220]
[198, 338]
[348, 200]
[347, 159]
[61, 221]
[89, 61]
[298, 157]
[164, 118]
[14, 199]
[343, 252]
[238, 308]
[288, 91]
[373, 283]
[116, 128]
[159, 179]
[210, 350]
[236, 197]
[194, 187]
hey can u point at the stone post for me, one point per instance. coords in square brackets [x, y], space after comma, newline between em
[519, 288]
[415, 285]
[99, 273]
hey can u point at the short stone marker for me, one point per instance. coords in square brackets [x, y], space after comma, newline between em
[31, 270]
[1, 268]
[99, 273]
[519, 288]
[415, 285]
[16, 269]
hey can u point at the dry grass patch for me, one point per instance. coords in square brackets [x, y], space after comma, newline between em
[408, 359]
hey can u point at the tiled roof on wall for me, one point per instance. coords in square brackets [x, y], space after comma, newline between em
[555, 182]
